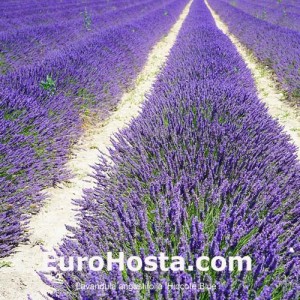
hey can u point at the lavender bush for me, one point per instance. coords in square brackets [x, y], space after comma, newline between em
[204, 170]
[38, 126]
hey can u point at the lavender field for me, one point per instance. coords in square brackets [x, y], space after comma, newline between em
[205, 169]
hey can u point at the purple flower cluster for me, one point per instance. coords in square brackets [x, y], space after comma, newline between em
[204, 170]
[273, 45]
[37, 125]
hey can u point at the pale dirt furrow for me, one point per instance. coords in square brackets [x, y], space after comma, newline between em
[47, 228]
[287, 116]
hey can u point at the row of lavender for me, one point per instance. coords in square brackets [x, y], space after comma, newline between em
[289, 5]
[40, 119]
[282, 13]
[274, 46]
[204, 170]
[18, 15]
[30, 45]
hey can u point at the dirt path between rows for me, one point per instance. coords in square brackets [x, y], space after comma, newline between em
[268, 93]
[48, 227]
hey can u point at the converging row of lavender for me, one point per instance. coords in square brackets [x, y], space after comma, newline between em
[274, 46]
[278, 12]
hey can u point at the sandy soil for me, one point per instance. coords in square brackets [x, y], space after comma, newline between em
[267, 90]
[48, 227]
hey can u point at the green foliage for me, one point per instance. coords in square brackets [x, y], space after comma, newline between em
[5, 264]
[296, 93]
[87, 20]
[3, 64]
[233, 3]
[211, 221]
[88, 100]
[13, 115]
[48, 85]
[28, 130]
[262, 15]
[242, 242]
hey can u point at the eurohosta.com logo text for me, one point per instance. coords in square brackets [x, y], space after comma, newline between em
[149, 264]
